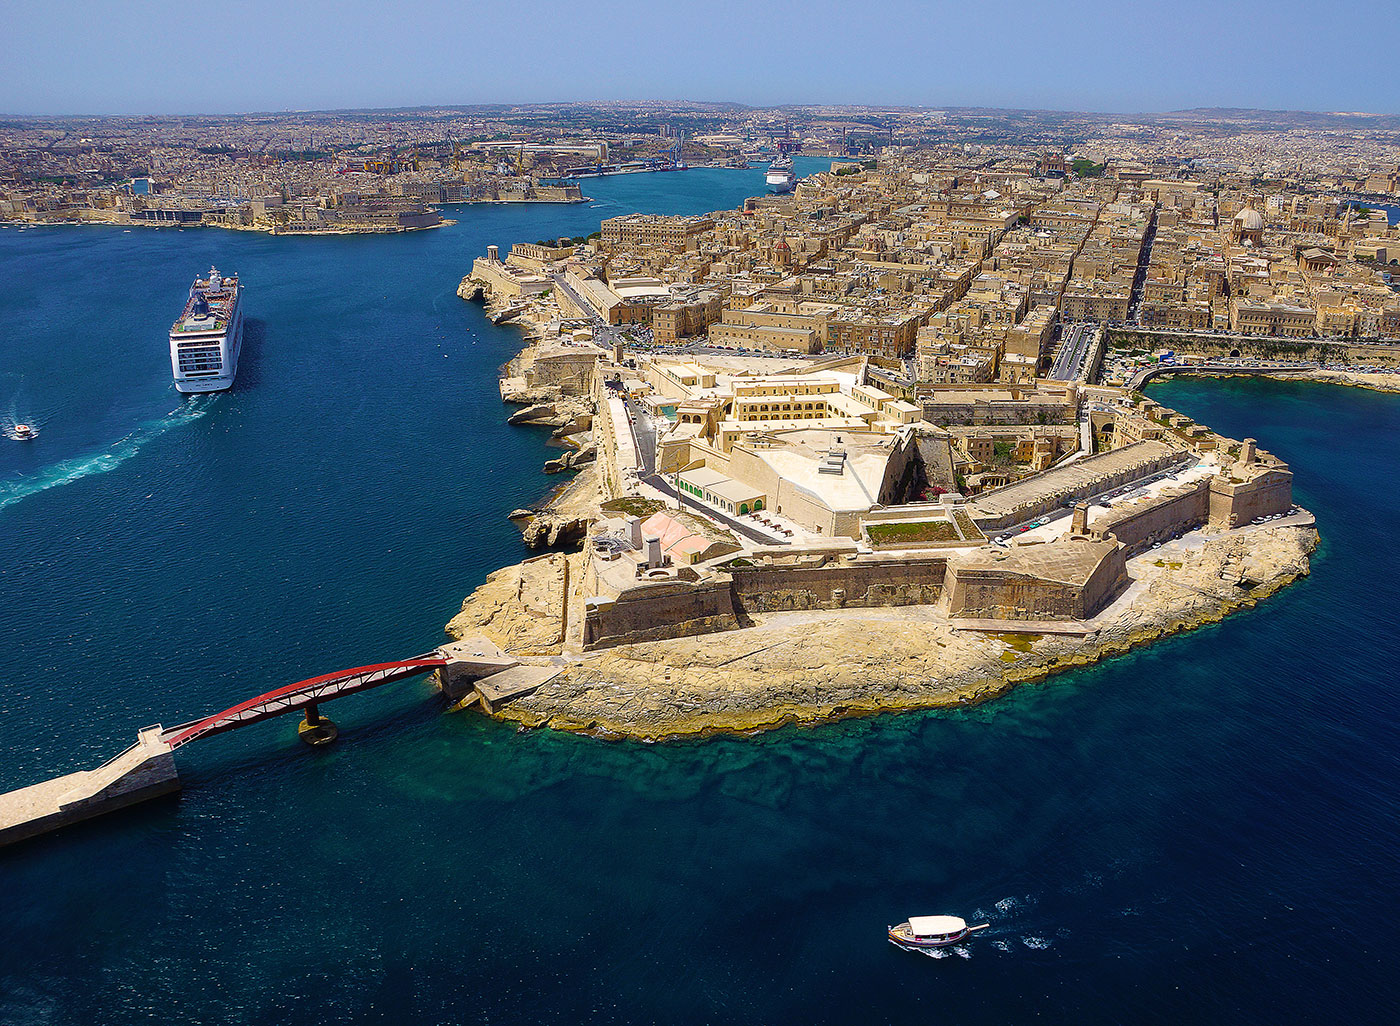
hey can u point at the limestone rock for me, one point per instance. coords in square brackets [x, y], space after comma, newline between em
[536, 414]
[515, 392]
[572, 460]
[471, 290]
[557, 413]
[816, 665]
[548, 530]
[520, 608]
[510, 313]
[576, 425]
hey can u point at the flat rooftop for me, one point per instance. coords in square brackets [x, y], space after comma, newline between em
[1068, 561]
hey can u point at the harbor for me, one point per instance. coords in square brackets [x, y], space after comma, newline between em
[169, 557]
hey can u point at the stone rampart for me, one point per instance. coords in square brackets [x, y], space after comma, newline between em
[1167, 515]
[1010, 592]
[1235, 502]
[1036, 496]
[1383, 352]
[895, 582]
[667, 609]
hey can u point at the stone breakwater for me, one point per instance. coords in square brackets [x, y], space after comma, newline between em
[817, 666]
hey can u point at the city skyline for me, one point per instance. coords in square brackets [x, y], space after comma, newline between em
[1088, 56]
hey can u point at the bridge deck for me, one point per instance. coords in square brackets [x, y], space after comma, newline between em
[299, 696]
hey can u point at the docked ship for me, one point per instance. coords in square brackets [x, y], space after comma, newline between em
[205, 341]
[780, 175]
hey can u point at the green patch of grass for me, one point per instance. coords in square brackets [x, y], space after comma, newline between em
[739, 564]
[1008, 657]
[919, 531]
[633, 506]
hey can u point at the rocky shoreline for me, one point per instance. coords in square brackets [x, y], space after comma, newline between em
[818, 666]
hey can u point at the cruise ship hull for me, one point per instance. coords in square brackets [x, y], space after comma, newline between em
[223, 381]
[206, 341]
[780, 176]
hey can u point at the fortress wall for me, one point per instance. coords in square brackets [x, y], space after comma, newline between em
[651, 612]
[1090, 476]
[1174, 512]
[503, 283]
[896, 583]
[572, 371]
[1260, 348]
[1235, 504]
[1016, 414]
[1108, 579]
[996, 594]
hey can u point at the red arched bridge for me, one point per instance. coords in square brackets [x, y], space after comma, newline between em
[473, 669]
[306, 694]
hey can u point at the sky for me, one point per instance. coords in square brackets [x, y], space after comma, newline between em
[159, 57]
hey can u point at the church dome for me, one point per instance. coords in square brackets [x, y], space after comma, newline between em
[1249, 220]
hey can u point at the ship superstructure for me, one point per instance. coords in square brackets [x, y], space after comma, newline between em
[206, 339]
[781, 178]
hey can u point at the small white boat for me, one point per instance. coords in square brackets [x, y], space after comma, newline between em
[24, 432]
[931, 931]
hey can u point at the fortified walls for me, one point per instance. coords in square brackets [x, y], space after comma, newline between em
[682, 607]
[1161, 517]
[673, 608]
[1248, 491]
[832, 584]
[1256, 348]
[1035, 496]
[1071, 579]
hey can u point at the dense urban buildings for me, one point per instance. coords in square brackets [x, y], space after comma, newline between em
[913, 381]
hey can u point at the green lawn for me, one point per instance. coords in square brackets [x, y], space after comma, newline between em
[921, 531]
[633, 506]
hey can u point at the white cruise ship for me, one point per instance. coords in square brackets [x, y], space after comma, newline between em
[780, 175]
[205, 341]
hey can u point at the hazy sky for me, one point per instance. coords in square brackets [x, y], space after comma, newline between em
[133, 56]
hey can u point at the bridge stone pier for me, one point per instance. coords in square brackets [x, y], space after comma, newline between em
[145, 770]
[478, 671]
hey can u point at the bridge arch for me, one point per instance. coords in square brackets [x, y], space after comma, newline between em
[301, 694]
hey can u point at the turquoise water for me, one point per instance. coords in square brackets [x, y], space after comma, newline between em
[1204, 831]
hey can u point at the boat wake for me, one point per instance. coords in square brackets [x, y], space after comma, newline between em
[78, 467]
[957, 949]
[1003, 915]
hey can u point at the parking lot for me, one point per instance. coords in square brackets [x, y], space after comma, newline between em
[1053, 525]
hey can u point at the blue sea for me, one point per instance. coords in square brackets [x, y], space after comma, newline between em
[1205, 831]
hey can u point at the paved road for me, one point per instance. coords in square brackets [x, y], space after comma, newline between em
[604, 334]
[1145, 375]
[1096, 499]
[644, 434]
[748, 530]
[1074, 347]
